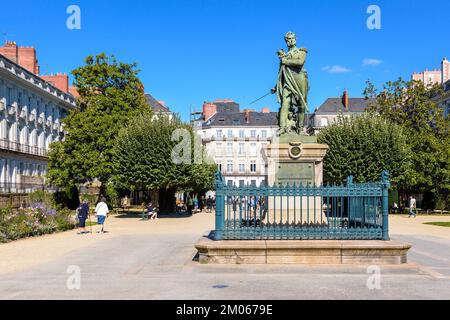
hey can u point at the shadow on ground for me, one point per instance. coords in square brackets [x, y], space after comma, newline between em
[136, 215]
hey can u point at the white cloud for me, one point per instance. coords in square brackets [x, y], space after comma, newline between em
[371, 62]
[336, 69]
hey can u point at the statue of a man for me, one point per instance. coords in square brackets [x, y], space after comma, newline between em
[292, 87]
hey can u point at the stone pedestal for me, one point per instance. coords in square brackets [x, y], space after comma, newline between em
[363, 252]
[295, 158]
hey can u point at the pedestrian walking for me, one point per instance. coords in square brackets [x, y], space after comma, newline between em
[82, 214]
[412, 207]
[234, 205]
[195, 203]
[190, 205]
[101, 212]
[209, 204]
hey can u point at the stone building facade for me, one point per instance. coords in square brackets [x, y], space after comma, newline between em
[31, 110]
[235, 141]
[436, 76]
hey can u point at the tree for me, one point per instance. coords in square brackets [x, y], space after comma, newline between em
[364, 147]
[144, 158]
[110, 94]
[413, 105]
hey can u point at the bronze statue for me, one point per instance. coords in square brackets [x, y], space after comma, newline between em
[292, 87]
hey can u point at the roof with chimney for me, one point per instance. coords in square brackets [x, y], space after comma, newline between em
[336, 105]
[232, 119]
[16, 70]
[155, 105]
[223, 105]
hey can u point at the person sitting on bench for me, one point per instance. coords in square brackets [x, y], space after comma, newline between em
[152, 212]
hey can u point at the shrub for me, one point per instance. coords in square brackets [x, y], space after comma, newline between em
[34, 221]
[65, 220]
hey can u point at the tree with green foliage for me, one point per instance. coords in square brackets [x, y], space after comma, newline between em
[414, 106]
[144, 158]
[110, 94]
[364, 146]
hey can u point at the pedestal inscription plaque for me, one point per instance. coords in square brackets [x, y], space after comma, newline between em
[295, 172]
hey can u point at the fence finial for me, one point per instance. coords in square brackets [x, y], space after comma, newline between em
[385, 179]
[349, 180]
[219, 181]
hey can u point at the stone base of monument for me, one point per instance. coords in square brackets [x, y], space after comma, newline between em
[294, 158]
[302, 252]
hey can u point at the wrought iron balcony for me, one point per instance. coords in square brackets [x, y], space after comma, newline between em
[22, 148]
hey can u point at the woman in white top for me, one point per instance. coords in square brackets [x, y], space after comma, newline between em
[101, 212]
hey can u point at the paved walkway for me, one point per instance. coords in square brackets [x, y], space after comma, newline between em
[153, 260]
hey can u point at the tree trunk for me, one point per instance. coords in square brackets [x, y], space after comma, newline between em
[167, 200]
[102, 192]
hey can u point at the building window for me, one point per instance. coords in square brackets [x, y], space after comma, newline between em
[253, 133]
[253, 183]
[241, 149]
[230, 183]
[219, 167]
[219, 149]
[241, 134]
[230, 134]
[219, 134]
[230, 166]
[324, 122]
[241, 183]
[9, 96]
[253, 149]
[253, 167]
[241, 168]
[230, 148]
[264, 134]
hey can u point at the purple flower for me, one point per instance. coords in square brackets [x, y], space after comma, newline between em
[37, 206]
[51, 212]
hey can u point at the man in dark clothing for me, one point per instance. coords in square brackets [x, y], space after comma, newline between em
[209, 204]
[83, 214]
[190, 205]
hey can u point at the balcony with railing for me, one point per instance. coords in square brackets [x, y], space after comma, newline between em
[25, 188]
[22, 148]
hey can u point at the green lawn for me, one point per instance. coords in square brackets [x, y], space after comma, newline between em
[439, 224]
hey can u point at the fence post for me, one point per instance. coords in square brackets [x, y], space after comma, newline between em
[385, 184]
[220, 206]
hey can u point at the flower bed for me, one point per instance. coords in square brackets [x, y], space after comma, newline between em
[37, 220]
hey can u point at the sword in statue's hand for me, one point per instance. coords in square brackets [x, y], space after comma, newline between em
[272, 91]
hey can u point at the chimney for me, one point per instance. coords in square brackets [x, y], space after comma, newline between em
[265, 110]
[209, 109]
[345, 100]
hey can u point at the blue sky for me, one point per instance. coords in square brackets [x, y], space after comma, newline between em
[198, 50]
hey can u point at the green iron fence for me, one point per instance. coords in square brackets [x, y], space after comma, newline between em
[302, 212]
